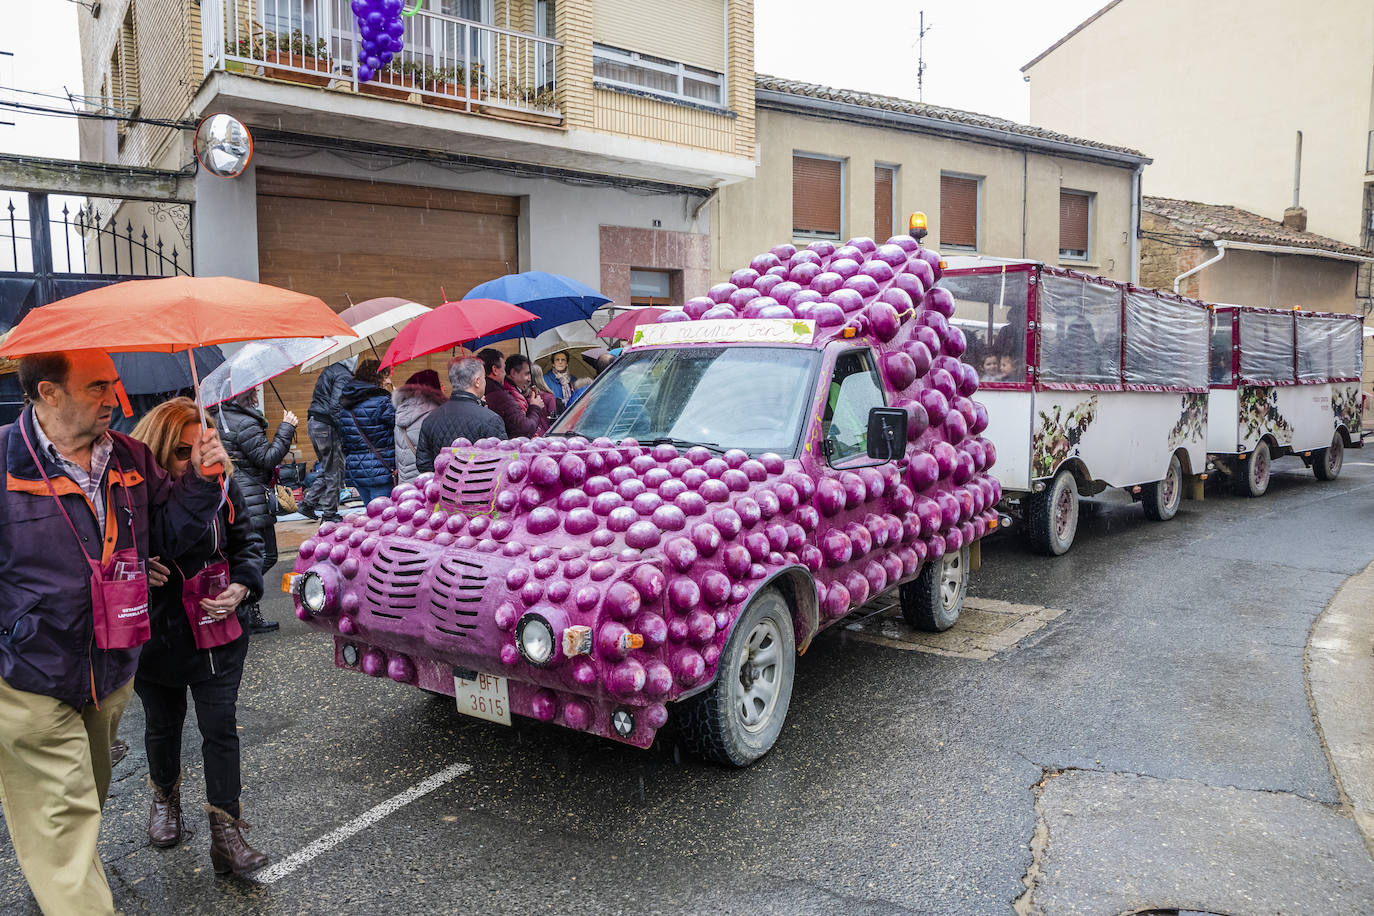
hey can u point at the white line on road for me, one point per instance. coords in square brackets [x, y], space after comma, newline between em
[362, 822]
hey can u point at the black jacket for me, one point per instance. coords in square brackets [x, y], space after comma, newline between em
[255, 457]
[170, 656]
[461, 417]
[324, 402]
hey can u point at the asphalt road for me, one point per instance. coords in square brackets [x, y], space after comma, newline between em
[1151, 747]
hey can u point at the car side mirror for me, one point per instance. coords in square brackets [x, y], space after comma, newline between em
[886, 433]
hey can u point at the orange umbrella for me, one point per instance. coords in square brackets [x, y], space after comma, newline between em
[170, 315]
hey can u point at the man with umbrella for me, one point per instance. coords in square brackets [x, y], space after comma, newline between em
[81, 511]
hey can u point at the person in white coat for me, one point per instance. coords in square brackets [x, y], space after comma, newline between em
[413, 401]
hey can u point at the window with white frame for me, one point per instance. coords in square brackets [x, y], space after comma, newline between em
[633, 70]
[1075, 225]
[884, 201]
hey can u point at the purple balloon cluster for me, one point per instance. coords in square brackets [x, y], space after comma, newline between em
[382, 30]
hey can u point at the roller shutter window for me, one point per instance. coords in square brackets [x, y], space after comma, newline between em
[959, 212]
[816, 197]
[1075, 221]
[689, 31]
[884, 184]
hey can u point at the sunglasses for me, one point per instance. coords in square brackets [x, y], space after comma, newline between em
[182, 452]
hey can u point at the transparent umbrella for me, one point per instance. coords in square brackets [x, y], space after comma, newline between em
[257, 362]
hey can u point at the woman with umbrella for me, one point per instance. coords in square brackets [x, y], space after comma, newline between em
[415, 400]
[243, 429]
[367, 428]
[195, 644]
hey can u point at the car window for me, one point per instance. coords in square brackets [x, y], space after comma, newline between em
[854, 390]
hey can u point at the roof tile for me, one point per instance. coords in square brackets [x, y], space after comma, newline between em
[921, 109]
[1222, 221]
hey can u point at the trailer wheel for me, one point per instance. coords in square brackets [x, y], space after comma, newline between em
[1251, 476]
[1052, 515]
[934, 600]
[739, 717]
[1162, 498]
[1327, 462]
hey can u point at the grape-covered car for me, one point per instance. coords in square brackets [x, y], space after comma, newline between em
[754, 467]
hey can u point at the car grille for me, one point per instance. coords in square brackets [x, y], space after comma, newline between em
[456, 596]
[469, 481]
[393, 582]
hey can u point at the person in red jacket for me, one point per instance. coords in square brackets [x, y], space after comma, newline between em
[512, 395]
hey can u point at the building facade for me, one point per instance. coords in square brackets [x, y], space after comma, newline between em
[836, 164]
[1220, 92]
[571, 136]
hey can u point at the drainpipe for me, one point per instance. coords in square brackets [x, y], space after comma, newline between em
[1135, 227]
[1221, 253]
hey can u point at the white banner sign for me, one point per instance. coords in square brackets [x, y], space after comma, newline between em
[727, 330]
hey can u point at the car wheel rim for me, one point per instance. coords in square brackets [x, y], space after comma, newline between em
[1063, 512]
[951, 580]
[1261, 465]
[760, 671]
[1171, 488]
[1335, 456]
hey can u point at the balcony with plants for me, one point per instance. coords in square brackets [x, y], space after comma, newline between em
[445, 61]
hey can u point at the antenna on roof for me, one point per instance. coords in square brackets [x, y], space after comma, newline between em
[921, 57]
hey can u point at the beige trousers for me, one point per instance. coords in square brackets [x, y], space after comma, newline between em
[54, 776]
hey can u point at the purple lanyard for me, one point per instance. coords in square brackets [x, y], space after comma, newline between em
[128, 503]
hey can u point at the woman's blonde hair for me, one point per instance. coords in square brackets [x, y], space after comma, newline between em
[160, 429]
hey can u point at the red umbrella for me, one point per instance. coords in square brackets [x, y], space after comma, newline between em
[451, 324]
[623, 326]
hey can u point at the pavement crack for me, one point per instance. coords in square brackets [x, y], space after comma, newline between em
[1024, 905]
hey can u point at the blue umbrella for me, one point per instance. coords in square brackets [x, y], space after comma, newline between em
[162, 373]
[556, 299]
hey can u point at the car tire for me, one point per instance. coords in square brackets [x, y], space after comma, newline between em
[1251, 476]
[1052, 515]
[1327, 462]
[739, 717]
[1162, 498]
[934, 600]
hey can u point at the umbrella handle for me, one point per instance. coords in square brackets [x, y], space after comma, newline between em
[200, 404]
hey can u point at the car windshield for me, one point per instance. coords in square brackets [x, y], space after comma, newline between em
[750, 398]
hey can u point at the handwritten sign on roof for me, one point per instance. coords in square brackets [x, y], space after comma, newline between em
[727, 330]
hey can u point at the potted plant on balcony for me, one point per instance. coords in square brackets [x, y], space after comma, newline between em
[529, 99]
[298, 51]
[397, 80]
[453, 85]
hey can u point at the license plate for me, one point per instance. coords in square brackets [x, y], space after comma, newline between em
[483, 696]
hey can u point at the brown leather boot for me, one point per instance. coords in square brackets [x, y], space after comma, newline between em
[229, 851]
[165, 825]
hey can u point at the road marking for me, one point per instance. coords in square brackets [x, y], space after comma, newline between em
[367, 819]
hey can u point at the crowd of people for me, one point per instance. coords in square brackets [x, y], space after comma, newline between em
[134, 564]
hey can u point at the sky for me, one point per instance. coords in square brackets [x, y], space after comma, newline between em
[974, 50]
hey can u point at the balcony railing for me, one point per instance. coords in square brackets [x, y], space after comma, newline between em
[450, 62]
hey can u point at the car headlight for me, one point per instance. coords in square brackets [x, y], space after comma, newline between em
[535, 638]
[312, 593]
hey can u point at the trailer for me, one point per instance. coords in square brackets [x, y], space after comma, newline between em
[1089, 383]
[1283, 382]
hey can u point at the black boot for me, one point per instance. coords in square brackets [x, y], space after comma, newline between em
[259, 624]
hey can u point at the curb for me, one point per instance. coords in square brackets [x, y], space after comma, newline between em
[1339, 663]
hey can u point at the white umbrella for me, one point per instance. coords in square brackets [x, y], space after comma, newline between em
[256, 362]
[384, 319]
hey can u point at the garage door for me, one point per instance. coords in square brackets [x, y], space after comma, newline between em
[347, 241]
